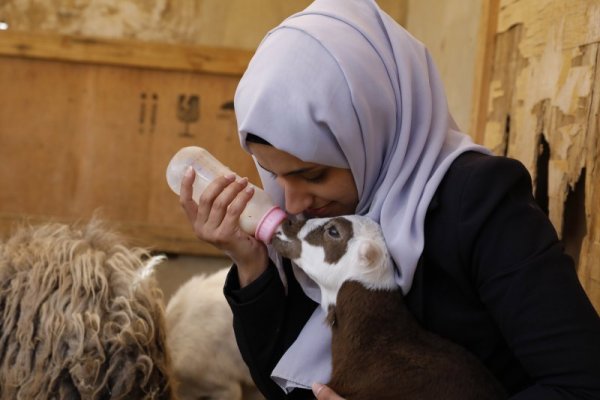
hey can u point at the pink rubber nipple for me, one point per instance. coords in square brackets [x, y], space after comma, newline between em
[269, 223]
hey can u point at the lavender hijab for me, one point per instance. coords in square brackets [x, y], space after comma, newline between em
[342, 84]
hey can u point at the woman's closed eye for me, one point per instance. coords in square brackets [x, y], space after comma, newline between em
[315, 176]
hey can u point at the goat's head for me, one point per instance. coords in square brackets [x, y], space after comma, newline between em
[334, 250]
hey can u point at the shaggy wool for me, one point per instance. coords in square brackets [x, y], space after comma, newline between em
[77, 320]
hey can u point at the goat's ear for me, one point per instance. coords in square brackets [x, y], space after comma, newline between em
[369, 254]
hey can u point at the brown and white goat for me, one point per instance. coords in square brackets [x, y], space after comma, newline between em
[80, 317]
[378, 349]
[206, 360]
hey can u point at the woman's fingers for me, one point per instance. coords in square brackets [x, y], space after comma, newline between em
[185, 194]
[237, 206]
[215, 217]
[222, 205]
[209, 194]
[216, 220]
[323, 392]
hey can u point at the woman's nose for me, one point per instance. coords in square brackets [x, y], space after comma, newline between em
[296, 200]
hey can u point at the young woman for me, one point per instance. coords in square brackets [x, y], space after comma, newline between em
[344, 113]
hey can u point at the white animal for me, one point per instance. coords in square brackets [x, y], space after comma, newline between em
[378, 349]
[206, 360]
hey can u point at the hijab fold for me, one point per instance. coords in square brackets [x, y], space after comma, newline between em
[342, 84]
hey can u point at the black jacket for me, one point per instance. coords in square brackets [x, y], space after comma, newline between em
[493, 278]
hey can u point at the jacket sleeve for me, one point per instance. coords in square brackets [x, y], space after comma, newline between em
[528, 284]
[266, 321]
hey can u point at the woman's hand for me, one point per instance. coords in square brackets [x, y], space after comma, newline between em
[215, 219]
[323, 392]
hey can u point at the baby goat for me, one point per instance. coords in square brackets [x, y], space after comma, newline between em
[378, 349]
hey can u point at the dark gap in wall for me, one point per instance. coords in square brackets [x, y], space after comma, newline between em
[506, 135]
[574, 222]
[541, 181]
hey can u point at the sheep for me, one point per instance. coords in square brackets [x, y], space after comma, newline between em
[81, 317]
[378, 349]
[206, 360]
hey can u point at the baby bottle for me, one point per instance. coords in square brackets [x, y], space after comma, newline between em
[260, 218]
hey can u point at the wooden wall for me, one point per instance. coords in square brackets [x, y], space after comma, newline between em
[223, 23]
[541, 106]
[89, 125]
[449, 29]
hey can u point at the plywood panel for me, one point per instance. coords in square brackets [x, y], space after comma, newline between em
[76, 137]
[121, 52]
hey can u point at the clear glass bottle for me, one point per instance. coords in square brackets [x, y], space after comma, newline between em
[260, 218]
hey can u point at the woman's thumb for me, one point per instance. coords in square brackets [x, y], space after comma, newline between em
[316, 388]
[323, 392]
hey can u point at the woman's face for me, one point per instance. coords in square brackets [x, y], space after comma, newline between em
[312, 189]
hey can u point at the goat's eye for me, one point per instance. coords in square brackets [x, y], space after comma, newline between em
[333, 232]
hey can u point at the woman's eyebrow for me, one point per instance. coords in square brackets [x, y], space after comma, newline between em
[290, 173]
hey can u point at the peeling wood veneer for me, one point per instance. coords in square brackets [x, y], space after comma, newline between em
[545, 88]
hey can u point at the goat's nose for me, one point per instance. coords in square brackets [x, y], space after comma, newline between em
[291, 228]
[279, 232]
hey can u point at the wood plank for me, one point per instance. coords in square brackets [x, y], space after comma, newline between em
[486, 41]
[589, 267]
[202, 59]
